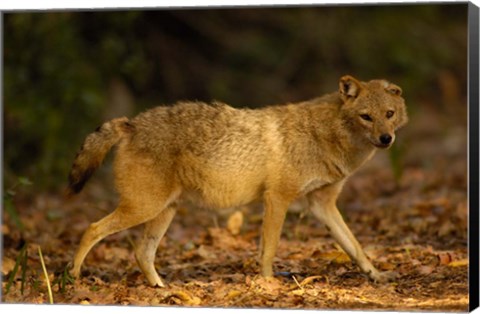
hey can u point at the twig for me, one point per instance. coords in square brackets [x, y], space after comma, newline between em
[24, 268]
[50, 295]
[131, 242]
[295, 279]
[215, 220]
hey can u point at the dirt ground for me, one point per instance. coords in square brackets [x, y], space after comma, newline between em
[416, 226]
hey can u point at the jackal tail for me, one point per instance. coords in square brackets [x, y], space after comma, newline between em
[93, 152]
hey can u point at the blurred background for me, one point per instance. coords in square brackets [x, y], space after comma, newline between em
[67, 72]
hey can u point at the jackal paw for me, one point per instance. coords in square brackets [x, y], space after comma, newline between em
[73, 271]
[383, 277]
[159, 284]
[155, 281]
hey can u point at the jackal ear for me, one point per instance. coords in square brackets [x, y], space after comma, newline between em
[349, 87]
[394, 89]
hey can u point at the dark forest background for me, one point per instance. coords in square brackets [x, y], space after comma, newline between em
[67, 72]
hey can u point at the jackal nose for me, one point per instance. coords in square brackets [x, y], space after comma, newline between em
[385, 139]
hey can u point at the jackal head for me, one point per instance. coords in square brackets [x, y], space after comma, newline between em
[373, 110]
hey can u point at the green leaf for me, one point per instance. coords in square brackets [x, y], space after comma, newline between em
[21, 259]
[12, 212]
[24, 181]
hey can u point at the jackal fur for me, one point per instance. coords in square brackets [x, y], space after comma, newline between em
[220, 157]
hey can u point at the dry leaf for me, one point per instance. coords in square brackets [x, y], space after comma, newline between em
[415, 262]
[386, 266]
[340, 271]
[308, 280]
[446, 228]
[7, 265]
[296, 256]
[116, 253]
[186, 297]
[206, 254]
[269, 285]
[462, 262]
[461, 212]
[223, 238]
[444, 258]
[426, 269]
[334, 256]
[235, 222]
[298, 292]
[233, 294]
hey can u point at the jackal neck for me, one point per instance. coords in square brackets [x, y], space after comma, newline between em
[358, 150]
[340, 144]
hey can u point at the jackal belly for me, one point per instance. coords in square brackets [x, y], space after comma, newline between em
[221, 195]
[222, 190]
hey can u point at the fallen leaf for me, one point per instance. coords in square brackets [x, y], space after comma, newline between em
[7, 265]
[426, 269]
[186, 297]
[270, 285]
[223, 238]
[233, 294]
[116, 253]
[461, 213]
[446, 228]
[333, 256]
[340, 271]
[444, 258]
[386, 266]
[235, 222]
[203, 252]
[308, 280]
[415, 262]
[298, 292]
[462, 262]
[296, 256]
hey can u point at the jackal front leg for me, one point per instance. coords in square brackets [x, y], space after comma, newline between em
[322, 204]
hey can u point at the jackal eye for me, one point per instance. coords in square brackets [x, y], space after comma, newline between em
[366, 117]
[390, 113]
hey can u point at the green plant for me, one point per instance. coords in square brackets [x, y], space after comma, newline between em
[63, 279]
[21, 261]
[9, 206]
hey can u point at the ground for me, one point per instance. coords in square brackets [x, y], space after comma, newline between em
[413, 223]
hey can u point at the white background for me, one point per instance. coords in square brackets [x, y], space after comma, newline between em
[18, 5]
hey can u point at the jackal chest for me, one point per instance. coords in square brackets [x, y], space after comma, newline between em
[311, 185]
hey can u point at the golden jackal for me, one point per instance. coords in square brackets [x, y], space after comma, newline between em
[223, 157]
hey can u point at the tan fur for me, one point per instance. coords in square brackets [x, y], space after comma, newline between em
[219, 157]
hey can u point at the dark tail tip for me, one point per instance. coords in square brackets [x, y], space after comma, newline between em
[69, 193]
[77, 181]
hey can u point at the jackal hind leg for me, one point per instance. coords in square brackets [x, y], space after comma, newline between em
[123, 217]
[274, 216]
[153, 233]
[131, 211]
